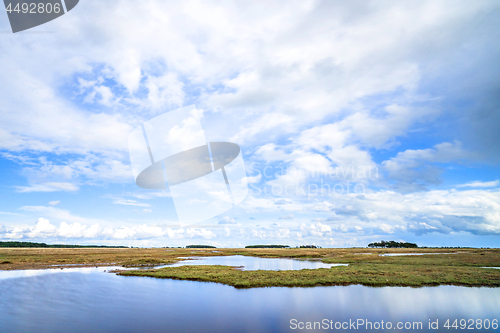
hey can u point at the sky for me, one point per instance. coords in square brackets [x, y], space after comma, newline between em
[358, 121]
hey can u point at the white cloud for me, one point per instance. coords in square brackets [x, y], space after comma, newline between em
[61, 214]
[48, 187]
[54, 203]
[315, 230]
[283, 65]
[204, 233]
[77, 230]
[8, 213]
[269, 234]
[165, 91]
[414, 169]
[43, 229]
[227, 220]
[493, 183]
[129, 202]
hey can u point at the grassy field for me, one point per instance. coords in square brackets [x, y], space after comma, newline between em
[462, 267]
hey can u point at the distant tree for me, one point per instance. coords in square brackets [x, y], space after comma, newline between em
[200, 247]
[30, 244]
[310, 247]
[392, 244]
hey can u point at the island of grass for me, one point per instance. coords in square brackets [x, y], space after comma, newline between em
[461, 267]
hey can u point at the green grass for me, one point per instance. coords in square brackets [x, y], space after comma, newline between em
[463, 267]
[375, 275]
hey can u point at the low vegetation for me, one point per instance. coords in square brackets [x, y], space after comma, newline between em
[374, 275]
[448, 267]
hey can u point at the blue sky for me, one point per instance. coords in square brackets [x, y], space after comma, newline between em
[392, 108]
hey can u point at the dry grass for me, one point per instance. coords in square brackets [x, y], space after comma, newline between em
[463, 267]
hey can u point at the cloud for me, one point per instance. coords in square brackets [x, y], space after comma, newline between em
[493, 183]
[43, 229]
[9, 213]
[227, 220]
[270, 234]
[77, 230]
[287, 217]
[54, 203]
[48, 187]
[315, 230]
[476, 211]
[129, 202]
[61, 214]
[415, 169]
[445, 211]
[204, 233]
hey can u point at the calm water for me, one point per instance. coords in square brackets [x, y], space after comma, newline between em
[90, 300]
[255, 263]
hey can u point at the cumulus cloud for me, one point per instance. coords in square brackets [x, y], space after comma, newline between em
[227, 220]
[43, 229]
[315, 230]
[269, 234]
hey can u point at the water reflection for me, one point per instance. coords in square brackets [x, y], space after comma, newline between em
[255, 263]
[38, 272]
[103, 302]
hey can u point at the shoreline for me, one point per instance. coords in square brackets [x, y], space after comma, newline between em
[432, 267]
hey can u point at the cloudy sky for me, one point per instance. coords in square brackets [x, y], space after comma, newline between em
[358, 120]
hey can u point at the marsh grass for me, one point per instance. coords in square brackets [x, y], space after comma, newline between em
[366, 267]
[375, 275]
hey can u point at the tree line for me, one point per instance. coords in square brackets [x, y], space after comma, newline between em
[393, 244]
[31, 244]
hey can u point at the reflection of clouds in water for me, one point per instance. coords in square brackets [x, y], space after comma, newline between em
[38, 272]
[109, 303]
[443, 301]
[391, 303]
[254, 263]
